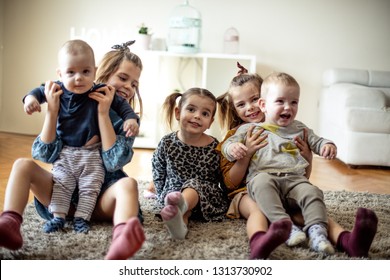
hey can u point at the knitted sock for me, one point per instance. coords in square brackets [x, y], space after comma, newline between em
[263, 243]
[176, 199]
[80, 225]
[127, 239]
[358, 242]
[296, 237]
[173, 219]
[54, 225]
[10, 236]
[318, 239]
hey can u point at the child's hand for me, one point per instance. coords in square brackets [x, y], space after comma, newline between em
[131, 127]
[31, 105]
[237, 150]
[329, 151]
[254, 141]
[303, 146]
[53, 92]
[104, 97]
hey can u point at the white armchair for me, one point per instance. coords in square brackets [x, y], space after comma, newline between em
[355, 113]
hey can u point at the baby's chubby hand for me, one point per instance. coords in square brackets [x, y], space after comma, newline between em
[237, 150]
[131, 127]
[329, 151]
[31, 105]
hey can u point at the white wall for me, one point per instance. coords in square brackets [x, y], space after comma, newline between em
[301, 37]
[1, 48]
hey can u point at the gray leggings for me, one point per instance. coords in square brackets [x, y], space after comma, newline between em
[276, 193]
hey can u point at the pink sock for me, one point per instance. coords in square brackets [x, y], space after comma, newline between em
[358, 242]
[263, 243]
[10, 236]
[176, 199]
[127, 239]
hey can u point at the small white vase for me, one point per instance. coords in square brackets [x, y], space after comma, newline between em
[143, 41]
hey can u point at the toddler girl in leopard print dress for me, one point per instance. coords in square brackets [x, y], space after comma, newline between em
[185, 164]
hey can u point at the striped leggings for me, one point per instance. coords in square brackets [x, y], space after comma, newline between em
[80, 167]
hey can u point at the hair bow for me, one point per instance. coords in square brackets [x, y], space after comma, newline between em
[242, 70]
[123, 46]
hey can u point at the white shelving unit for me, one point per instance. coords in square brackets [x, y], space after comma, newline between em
[165, 72]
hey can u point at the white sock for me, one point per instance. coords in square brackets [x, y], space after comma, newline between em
[296, 237]
[173, 219]
[318, 239]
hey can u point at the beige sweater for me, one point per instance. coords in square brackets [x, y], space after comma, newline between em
[281, 154]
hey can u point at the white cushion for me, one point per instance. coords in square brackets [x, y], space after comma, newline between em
[355, 114]
[352, 95]
[361, 77]
[367, 120]
[334, 76]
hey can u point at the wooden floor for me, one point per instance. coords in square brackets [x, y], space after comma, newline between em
[328, 175]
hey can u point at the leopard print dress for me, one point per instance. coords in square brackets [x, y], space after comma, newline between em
[176, 166]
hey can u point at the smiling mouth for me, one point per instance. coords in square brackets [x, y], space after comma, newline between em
[195, 124]
[253, 115]
[123, 94]
[285, 116]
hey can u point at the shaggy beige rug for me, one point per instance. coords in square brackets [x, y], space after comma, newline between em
[205, 241]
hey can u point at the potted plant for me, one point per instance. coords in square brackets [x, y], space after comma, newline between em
[144, 37]
[143, 29]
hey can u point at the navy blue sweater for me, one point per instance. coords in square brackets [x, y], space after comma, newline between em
[78, 116]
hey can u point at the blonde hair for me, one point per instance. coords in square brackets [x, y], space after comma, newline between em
[277, 78]
[228, 116]
[110, 64]
[169, 104]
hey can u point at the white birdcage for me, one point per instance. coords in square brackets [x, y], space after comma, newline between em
[184, 29]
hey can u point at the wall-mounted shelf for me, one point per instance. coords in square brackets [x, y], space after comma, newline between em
[165, 72]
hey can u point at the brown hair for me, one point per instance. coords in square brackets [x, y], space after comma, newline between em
[169, 104]
[227, 113]
[110, 64]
